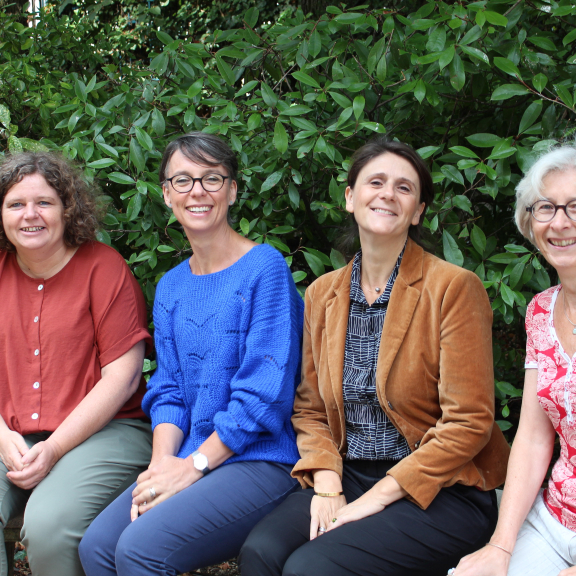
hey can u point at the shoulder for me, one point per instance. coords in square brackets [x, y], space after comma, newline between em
[263, 257]
[542, 302]
[101, 256]
[444, 276]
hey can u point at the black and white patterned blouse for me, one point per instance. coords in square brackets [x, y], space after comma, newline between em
[370, 434]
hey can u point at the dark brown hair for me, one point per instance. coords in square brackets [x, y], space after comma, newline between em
[380, 145]
[202, 148]
[82, 211]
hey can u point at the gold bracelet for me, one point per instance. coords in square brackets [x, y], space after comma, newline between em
[500, 547]
[328, 494]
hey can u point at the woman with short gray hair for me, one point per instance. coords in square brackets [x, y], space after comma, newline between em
[228, 324]
[536, 530]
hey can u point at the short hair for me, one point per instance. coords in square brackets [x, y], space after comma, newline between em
[82, 210]
[381, 145]
[529, 189]
[202, 148]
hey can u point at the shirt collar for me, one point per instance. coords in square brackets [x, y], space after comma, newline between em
[356, 292]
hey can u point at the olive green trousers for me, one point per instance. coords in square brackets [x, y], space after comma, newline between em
[82, 483]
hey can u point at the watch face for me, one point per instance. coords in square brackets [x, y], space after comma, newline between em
[200, 462]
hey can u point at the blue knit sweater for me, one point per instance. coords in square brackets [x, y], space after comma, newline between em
[228, 348]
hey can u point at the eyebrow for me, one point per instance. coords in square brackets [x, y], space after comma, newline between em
[384, 175]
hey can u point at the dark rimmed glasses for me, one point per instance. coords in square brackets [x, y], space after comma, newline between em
[209, 182]
[544, 210]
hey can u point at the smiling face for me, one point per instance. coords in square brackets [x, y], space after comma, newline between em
[33, 216]
[198, 211]
[557, 239]
[385, 199]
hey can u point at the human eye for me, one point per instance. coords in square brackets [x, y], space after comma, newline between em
[212, 178]
[571, 208]
[544, 207]
[181, 180]
[376, 182]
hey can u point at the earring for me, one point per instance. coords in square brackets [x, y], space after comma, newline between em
[230, 203]
[170, 205]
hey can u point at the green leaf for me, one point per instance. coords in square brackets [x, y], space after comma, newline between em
[507, 66]
[315, 264]
[507, 294]
[446, 57]
[530, 115]
[420, 91]
[483, 140]
[358, 106]
[451, 251]
[120, 178]
[251, 17]
[164, 38]
[463, 151]
[136, 155]
[14, 145]
[158, 123]
[73, 120]
[4, 115]
[342, 101]
[495, 19]
[478, 239]
[471, 36]
[349, 17]
[570, 37]
[314, 44]
[337, 259]
[457, 76]
[516, 274]
[103, 163]
[134, 207]
[280, 137]
[475, 53]
[254, 121]
[270, 99]
[381, 69]
[298, 276]
[296, 110]
[248, 87]
[306, 79]
[144, 140]
[272, 180]
[462, 202]
[508, 91]
[543, 42]
[427, 151]
[245, 226]
[437, 40]
[564, 94]
[452, 174]
[225, 71]
[503, 258]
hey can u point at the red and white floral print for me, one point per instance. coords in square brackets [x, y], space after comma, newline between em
[557, 396]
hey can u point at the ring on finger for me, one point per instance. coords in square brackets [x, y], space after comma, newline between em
[334, 520]
[321, 529]
[451, 572]
[152, 493]
[144, 503]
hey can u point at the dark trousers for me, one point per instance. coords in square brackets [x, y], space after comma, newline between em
[401, 540]
[204, 524]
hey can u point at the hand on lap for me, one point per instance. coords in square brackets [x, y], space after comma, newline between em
[568, 572]
[487, 561]
[364, 506]
[37, 463]
[322, 510]
[166, 478]
[12, 448]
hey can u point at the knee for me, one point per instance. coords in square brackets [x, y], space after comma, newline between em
[131, 554]
[47, 531]
[263, 553]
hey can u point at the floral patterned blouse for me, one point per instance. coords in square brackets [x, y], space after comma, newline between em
[557, 396]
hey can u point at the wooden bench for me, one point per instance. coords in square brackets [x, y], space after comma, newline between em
[11, 536]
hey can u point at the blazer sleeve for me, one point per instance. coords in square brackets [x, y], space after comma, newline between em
[317, 447]
[465, 393]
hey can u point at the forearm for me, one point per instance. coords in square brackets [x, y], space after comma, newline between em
[215, 451]
[527, 469]
[166, 441]
[326, 481]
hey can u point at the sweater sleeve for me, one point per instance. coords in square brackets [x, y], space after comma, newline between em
[163, 401]
[262, 390]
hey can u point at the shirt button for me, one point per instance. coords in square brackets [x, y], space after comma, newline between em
[36, 384]
[40, 286]
[34, 416]
[36, 352]
[35, 318]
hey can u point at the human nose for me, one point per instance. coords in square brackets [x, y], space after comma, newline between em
[30, 210]
[387, 191]
[197, 188]
[560, 219]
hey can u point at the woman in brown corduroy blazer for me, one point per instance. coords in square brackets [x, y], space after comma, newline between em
[399, 451]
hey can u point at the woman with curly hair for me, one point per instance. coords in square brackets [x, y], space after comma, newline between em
[72, 342]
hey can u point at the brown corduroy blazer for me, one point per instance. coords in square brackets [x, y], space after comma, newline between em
[434, 378]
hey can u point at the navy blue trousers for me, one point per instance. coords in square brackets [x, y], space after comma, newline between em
[204, 524]
[402, 540]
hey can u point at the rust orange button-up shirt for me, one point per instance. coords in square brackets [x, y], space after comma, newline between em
[57, 334]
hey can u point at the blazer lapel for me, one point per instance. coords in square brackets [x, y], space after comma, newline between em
[400, 311]
[337, 310]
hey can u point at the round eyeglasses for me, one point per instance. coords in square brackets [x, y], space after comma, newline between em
[544, 210]
[209, 182]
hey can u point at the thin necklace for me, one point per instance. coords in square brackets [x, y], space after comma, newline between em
[376, 288]
[566, 314]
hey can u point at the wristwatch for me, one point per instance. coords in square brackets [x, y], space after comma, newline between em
[200, 462]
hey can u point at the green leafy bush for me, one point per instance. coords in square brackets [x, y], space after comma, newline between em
[479, 89]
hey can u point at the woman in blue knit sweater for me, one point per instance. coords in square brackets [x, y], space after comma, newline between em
[228, 327]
